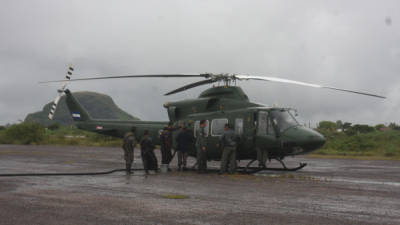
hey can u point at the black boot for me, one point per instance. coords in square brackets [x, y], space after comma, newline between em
[128, 168]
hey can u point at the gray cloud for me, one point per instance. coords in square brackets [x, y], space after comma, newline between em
[346, 44]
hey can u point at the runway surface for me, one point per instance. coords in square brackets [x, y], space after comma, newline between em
[327, 191]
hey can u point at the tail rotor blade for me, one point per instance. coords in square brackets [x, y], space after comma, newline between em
[54, 107]
[69, 73]
[60, 91]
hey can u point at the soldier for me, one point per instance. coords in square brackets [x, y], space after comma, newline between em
[147, 153]
[262, 156]
[228, 143]
[171, 129]
[201, 143]
[165, 146]
[129, 144]
[184, 143]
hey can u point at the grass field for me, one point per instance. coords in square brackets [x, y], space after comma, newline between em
[371, 145]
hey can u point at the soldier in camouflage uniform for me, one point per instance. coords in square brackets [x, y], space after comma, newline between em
[228, 143]
[129, 144]
[201, 143]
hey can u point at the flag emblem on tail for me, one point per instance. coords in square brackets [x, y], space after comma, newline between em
[76, 115]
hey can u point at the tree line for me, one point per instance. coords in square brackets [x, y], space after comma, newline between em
[327, 127]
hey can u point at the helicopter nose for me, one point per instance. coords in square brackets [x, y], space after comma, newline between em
[304, 138]
[314, 141]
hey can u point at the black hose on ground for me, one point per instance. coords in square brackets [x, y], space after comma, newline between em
[64, 174]
[243, 170]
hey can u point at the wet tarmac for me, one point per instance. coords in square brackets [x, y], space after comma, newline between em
[327, 191]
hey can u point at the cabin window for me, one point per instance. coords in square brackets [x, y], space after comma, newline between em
[217, 126]
[270, 128]
[239, 126]
[262, 123]
[197, 128]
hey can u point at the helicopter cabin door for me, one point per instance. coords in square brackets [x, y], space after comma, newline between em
[217, 129]
[266, 135]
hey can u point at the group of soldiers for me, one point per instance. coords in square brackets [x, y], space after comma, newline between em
[184, 139]
[146, 147]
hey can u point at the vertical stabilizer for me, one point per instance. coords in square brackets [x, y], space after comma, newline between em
[77, 111]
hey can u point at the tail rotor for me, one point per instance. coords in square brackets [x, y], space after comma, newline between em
[60, 91]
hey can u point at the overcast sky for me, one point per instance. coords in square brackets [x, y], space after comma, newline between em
[345, 44]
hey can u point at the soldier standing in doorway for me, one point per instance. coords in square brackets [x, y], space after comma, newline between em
[201, 143]
[129, 144]
[228, 143]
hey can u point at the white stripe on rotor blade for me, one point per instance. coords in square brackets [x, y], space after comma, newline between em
[275, 79]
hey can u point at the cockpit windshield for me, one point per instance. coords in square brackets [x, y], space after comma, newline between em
[283, 119]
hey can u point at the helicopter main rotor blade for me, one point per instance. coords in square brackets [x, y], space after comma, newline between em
[133, 76]
[191, 85]
[281, 80]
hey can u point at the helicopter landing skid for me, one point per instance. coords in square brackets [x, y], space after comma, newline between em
[249, 169]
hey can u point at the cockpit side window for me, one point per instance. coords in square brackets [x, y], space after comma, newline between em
[283, 119]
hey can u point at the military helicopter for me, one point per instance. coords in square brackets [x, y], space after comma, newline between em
[273, 130]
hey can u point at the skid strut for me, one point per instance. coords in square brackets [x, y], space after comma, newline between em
[249, 169]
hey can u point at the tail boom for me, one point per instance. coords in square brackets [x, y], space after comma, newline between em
[115, 128]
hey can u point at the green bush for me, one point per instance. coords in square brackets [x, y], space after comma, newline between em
[23, 133]
[54, 126]
[327, 126]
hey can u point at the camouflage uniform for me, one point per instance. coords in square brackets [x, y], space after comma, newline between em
[129, 144]
[147, 152]
[228, 142]
[201, 142]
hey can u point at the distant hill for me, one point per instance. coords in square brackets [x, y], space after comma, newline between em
[98, 105]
